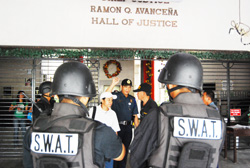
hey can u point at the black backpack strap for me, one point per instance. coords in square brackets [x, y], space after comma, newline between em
[94, 111]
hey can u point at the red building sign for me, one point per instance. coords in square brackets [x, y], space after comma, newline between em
[235, 112]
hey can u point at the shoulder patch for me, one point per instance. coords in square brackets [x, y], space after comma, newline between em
[81, 125]
[213, 113]
[40, 122]
[171, 109]
[77, 124]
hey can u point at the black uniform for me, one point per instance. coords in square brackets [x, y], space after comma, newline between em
[44, 105]
[106, 143]
[147, 107]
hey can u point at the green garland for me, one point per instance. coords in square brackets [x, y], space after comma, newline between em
[117, 54]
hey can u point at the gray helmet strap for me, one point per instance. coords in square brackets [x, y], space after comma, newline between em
[173, 89]
[179, 87]
[77, 101]
[193, 90]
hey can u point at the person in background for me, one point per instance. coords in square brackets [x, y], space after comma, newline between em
[73, 139]
[208, 99]
[20, 108]
[106, 115]
[147, 103]
[46, 102]
[126, 110]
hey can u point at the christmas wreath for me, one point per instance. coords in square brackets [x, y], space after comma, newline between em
[118, 68]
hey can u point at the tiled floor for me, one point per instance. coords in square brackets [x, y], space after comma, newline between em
[243, 161]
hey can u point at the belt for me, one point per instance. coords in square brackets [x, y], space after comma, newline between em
[125, 122]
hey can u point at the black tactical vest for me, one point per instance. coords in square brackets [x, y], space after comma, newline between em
[189, 136]
[63, 142]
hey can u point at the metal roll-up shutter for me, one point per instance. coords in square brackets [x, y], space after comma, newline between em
[218, 76]
[230, 81]
[27, 74]
[16, 75]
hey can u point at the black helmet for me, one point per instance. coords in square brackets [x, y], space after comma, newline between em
[73, 78]
[45, 87]
[184, 70]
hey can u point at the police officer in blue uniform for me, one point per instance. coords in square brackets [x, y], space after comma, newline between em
[68, 138]
[126, 110]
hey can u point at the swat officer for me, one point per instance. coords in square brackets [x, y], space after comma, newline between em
[184, 132]
[67, 138]
[46, 103]
[126, 110]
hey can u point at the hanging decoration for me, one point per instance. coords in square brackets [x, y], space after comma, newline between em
[123, 54]
[148, 74]
[106, 66]
[241, 28]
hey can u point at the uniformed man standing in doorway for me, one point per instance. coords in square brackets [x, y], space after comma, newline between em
[126, 110]
[147, 103]
[46, 102]
[185, 132]
[68, 138]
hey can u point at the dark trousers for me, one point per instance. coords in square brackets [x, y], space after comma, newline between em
[126, 135]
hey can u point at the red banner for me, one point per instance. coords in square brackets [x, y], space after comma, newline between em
[148, 74]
